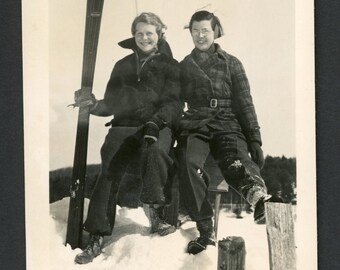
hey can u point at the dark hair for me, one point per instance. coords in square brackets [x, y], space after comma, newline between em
[206, 15]
[149, 18]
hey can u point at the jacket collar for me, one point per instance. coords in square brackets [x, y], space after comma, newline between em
[163, 46]
[221, 53]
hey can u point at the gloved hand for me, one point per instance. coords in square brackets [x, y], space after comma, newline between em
[256, 154]
[151, 132]
[82, 100]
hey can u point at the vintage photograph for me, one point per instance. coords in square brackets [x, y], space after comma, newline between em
[174, 136]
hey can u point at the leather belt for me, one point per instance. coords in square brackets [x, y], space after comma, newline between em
[212, 103]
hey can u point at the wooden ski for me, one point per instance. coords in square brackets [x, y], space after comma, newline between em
[76, 208]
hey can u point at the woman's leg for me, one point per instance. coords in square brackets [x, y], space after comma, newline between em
[239, 170]
[194, 181]
[114, 153]
[155, 166]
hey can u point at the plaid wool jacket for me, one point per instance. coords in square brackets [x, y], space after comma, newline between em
[218, 96]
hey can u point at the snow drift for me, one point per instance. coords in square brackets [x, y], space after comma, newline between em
[131, 247]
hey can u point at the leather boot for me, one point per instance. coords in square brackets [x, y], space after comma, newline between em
[259, 212]
[92, 250]
[207, 237]
[157, 221]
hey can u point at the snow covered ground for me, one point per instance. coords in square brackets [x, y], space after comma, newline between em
[131, 247]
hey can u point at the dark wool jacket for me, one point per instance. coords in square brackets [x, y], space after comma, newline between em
[141, 91]
[221, 77]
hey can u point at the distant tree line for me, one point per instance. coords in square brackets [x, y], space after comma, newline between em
[279, 174]
[60, 181]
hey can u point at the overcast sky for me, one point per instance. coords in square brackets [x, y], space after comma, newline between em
[260, 33]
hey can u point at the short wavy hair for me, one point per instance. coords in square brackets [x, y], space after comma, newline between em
[206, 15]
[149, 18]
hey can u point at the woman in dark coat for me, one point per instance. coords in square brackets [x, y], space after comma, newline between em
[143, 97]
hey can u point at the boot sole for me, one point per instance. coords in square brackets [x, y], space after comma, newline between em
[84, 259]
[195, 247]
[79, 260]
[167, 231]
[260, 221]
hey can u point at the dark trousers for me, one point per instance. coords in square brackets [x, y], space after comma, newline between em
[123, 144]
[193, 151]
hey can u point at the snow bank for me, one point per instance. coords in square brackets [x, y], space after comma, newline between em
[131, 247]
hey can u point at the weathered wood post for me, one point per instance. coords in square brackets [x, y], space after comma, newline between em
[231, 253]
[280, 234]
[217, 212]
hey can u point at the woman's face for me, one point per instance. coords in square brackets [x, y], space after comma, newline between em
[202, 34]
[146, 37]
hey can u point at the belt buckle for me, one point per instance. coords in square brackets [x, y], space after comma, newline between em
[213, 103]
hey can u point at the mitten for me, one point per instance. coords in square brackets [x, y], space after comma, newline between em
[82, 100]
[256, 154]
[151, 132]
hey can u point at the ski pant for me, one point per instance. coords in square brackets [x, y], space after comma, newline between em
[121, 145]
[230, 150]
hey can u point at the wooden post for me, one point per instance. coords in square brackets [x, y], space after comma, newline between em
[217, 212]
[231, 253]
[280, 234]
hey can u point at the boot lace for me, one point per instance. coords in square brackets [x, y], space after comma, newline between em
[94, 240]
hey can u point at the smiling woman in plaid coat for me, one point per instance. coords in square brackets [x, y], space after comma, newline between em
[220, 120]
